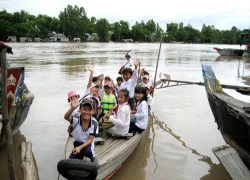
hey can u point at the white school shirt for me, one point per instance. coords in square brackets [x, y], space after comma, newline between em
[127, 63]
[142, 115]
[149, 85]
[81, 135]
[117, 89]
[131, 83]
[121, 120]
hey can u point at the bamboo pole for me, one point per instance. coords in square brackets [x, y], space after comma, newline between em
[156, 68]
[6, 120]
[241, 89]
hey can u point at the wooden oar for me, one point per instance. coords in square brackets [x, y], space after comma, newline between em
[241, 89]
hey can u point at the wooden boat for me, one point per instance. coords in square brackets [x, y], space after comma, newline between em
[19, 99]
[246, 54]
[110, 155]
[229, 51]
[231, 115]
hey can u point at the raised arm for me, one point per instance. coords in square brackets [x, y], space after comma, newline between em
[74, 105]
[91, 69]
[134, 77]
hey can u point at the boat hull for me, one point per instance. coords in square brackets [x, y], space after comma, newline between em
[19, 100]
[231, 115]
[246, 54]
[229, 51]
[110, 155]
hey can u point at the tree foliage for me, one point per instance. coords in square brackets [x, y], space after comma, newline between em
[102, 29]
[73, 22]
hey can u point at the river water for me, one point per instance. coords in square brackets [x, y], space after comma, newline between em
[178, 145]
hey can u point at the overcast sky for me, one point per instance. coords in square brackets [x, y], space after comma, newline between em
[223, 14]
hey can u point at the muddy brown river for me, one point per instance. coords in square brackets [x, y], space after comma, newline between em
[178, 144]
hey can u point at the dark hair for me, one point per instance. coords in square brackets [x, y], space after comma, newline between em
[96, 87]
[127, 70]
[145, 73]
[107, 77]
[95, 102]
[127, 56]
[125, 93]
[94, 79]
[142, 90]
[119, 79]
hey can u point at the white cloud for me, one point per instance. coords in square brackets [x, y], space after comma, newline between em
[195, 12]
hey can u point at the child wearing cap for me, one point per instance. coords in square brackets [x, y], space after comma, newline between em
[73, 96]
[85, 129]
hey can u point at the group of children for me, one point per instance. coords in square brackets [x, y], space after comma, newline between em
[126, 105]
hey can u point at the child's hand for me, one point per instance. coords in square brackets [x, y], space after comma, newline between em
[142, 71]
[76, 150]
[91, 68]
[101, 77]
[75, 103]
[106, 116]
[133, 112]
[137, 62]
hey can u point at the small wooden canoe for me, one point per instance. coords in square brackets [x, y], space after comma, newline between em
[19, 100]
[229, 51]
[110, 155]
[231, 115]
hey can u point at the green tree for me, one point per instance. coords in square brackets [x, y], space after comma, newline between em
[102, 29]
[125, 32]
[138, 32]
[172, 31]
[6, 27]
[159, 33]
[193, 35]
[207, 33]
[116, 29]
[44, 25]
[150, 30]
[74, 21]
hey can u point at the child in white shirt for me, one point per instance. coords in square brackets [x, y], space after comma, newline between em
[118, 86]
[121, 115]
[130, 80]
[140, 122]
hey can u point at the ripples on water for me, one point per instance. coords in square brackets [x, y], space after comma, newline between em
[178, 145]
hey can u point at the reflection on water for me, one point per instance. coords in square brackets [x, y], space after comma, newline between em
[136, 163]
[164, 127]
[179, 143]
[217, 172]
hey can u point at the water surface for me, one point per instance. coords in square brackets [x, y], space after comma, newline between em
[179, 143]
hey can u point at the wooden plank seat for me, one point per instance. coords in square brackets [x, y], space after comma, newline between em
[230, 159]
